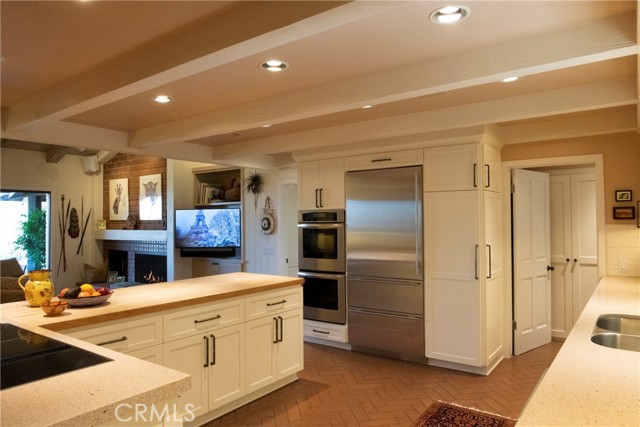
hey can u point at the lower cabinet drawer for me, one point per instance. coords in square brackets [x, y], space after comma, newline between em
[268, 303]
[125, 336]
[325, 331]
[184, 323]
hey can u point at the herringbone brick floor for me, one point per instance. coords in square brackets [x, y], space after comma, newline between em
[342, 388]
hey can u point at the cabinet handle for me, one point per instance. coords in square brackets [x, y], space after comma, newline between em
[488, 176]
[475, 172]
[271, 304]
[206, 349]
[321, 205]
[380, 160]
[476, 264]
[213, 350]
[275, 324]
[113, 341]
[281, 329]
[321, 332]
[489, 276]
[208, 319]
[317, 197]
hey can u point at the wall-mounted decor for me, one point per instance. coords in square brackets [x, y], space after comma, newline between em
[267, 222]
[254, 185]
[118, 199]
[638, 214]
[151, 197]
[624, 212]
[623, 195]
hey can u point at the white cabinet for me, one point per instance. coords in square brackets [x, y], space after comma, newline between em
[211, 266]
[463, 262]
[215, 360]
[392, 159]
[274, 338]
[462, 167]
[321, 184]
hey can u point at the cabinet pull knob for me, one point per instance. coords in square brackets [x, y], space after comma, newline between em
[321, 332]
[206, 351]
[208, 319]
[380, 160]
[124, 338]
[550, 268]
[271, 304]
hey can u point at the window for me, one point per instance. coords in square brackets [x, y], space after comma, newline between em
[18, 207]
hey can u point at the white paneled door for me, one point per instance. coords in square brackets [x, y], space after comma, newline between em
[531, 259]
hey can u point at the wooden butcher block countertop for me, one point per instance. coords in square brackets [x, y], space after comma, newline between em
[146, 299]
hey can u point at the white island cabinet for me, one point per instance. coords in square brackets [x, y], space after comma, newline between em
[202, 327]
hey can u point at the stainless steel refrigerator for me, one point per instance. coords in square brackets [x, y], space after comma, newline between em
[385, 292]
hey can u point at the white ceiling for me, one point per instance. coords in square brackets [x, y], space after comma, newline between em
[82, 74]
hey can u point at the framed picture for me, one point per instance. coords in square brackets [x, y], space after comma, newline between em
[623, 195]
[626, 212]
[151, 197]
[112, 277]
[118, 199]
[638, 213]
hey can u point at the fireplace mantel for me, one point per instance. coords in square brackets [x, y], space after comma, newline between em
[134, 235]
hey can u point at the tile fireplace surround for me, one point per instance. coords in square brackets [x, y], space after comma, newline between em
[134, 253]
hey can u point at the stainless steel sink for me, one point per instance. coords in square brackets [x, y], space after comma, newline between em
[617, 341]
[624, 324]
[617, 331]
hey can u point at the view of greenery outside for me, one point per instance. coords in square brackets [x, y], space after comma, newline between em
[24, 224]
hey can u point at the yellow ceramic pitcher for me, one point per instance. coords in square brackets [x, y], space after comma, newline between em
[39, 288]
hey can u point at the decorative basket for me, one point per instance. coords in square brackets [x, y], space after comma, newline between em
[233, 193]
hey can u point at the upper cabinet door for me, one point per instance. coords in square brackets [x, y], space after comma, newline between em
[321, 184]
[451, 168]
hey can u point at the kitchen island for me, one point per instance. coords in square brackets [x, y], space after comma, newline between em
[588, 384]
[91, 396]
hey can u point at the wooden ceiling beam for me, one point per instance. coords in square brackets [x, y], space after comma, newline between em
[572, 99]
[56, 153]
[608, 38]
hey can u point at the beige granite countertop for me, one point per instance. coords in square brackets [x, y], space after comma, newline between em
[588, 384]
[100, 389]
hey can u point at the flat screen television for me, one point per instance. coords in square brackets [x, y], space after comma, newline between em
[207, 229]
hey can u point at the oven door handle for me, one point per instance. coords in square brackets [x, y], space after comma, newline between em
[321, 225]
[320, 275]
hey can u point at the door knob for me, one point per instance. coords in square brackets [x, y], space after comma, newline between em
[550, 268]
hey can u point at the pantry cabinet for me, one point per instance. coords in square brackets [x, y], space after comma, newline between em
[463, 266]
[321, 184]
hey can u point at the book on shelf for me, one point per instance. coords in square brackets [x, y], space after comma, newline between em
[210, 193]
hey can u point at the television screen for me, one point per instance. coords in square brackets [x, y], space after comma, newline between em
[208, 228]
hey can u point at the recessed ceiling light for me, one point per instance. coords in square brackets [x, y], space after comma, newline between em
[367, 106]
[266, 126]
[162, 99]
[274, 65]
[510, 79]
[449, 14]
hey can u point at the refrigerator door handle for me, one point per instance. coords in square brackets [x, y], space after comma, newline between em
[418, 218]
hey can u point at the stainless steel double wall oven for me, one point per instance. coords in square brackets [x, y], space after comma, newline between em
[322, 264]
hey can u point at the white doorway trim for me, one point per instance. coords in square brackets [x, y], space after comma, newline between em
[597, 160]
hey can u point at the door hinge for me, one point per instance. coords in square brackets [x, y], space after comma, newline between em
[514, 325]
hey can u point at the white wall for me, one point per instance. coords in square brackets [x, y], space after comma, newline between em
[28, 170]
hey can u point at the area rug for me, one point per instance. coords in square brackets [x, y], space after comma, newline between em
[443, 414]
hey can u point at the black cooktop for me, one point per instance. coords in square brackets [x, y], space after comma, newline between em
[26, 356]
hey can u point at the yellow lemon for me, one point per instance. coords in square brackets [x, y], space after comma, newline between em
[87, 288]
